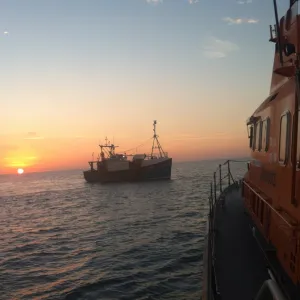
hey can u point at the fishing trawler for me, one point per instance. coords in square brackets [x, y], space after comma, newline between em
[253, 238]
[116, 167]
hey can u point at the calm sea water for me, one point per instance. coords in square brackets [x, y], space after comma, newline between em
[62, 238]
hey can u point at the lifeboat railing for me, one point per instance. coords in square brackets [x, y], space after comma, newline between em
[223, 182]
[270, 206]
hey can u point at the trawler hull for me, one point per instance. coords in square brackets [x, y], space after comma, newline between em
[134, 171]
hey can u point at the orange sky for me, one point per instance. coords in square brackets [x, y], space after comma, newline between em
[72, 74]
[39, 136]
[34, 152]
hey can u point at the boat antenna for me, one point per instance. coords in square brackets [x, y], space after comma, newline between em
[155, 139]
[278, 32]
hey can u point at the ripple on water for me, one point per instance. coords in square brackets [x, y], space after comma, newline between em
[64, 239]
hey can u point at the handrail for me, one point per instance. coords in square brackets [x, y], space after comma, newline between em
[271, 288]
[217, 189]
[268, 204]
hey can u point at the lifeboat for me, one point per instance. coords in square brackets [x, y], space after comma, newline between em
[253, 238]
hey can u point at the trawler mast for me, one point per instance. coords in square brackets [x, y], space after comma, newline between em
[158, 145]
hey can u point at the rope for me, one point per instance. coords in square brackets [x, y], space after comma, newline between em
[232, 160]
[138, 145]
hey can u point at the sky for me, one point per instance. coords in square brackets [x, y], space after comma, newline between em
[76, 71]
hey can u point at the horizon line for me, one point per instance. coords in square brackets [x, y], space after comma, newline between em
[177, 162]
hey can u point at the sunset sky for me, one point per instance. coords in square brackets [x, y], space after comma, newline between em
[73, 72]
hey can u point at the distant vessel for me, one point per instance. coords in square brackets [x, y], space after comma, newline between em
[116, 167]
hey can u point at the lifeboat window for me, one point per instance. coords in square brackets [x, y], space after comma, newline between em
[254, 137]
[265, 134]
[284, 137]
[258, 136]
[251, 136]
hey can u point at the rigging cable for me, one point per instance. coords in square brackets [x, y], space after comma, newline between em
[139, 145]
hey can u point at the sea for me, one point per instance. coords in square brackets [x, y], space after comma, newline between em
[63, 238]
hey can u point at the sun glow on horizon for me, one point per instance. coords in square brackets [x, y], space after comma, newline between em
[20, 171]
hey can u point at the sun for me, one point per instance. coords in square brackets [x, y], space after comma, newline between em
[20, 171]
